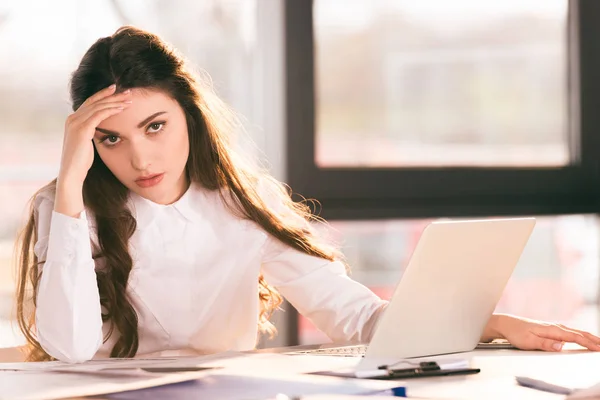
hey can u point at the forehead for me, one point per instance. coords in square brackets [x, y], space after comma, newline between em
[145, 102]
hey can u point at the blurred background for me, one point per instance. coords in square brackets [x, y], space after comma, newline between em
[397, 84]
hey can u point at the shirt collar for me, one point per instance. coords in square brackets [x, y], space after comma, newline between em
[188, 206]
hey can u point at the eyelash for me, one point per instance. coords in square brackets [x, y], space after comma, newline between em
[161, 123]
[161, 127]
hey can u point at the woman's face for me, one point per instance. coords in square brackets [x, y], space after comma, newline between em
[146, 146]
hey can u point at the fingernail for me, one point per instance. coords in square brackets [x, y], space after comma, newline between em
[121, 108]
[112, 86]
[557, 346]
[128, 101]
[127, 91]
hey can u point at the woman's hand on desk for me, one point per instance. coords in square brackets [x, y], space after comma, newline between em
[527, 334]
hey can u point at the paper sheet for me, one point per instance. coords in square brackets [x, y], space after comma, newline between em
[246, 376]
[115, 363]
[34, 385]
[43, 380]
[225, 387]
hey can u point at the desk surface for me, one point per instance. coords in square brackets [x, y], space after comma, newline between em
[498, 370]
[575, 367]
[496, 381]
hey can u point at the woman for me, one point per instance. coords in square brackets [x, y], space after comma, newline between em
[156, 239]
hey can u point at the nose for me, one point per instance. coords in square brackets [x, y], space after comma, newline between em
[140, 156]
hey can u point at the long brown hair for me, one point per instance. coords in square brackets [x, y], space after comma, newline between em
[133, 58]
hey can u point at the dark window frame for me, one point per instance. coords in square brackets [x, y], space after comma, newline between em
[377, 193]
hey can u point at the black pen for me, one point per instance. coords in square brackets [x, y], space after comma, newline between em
[420, 373]
[422, 369]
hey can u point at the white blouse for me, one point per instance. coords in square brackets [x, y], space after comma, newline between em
[194, 282]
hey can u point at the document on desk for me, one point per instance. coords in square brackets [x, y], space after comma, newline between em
[222, 386]
[33, 385]
[54, 380]
[231, 377]
[106, 364]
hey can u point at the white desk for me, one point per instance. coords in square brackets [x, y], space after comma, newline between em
[496, 380]
[498, 371]
[574, 366]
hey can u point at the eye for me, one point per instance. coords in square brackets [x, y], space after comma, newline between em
[110, 140]
[155, 127]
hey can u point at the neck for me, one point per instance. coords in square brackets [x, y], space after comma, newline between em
[182, 186]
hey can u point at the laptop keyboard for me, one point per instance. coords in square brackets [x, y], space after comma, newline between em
[347, 351]
[360, 350]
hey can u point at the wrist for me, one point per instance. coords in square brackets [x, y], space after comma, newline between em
[69, 183]
[69, 198]
[493, 329]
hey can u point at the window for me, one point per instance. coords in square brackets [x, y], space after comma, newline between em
[434, 83]
[394, 115]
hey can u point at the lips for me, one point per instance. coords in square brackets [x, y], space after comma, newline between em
[149, 180]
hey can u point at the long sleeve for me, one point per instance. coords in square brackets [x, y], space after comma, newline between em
[68, 315]
[320, 290]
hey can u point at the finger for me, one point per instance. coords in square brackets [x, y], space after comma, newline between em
[122, 96]
[558, 333]
[594, 339]
[587, 340]
[86, 114]
[104, 104]
[99, 116]
[100, 95]
[125, 94]
[588, 335]
[549, 344]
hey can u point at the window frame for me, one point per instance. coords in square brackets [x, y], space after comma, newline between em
[378, 193]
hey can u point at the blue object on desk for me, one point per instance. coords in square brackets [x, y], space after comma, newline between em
[399, 391]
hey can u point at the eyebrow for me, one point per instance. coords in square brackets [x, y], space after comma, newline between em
[140, 125]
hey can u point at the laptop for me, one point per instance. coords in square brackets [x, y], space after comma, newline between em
[448, 292]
